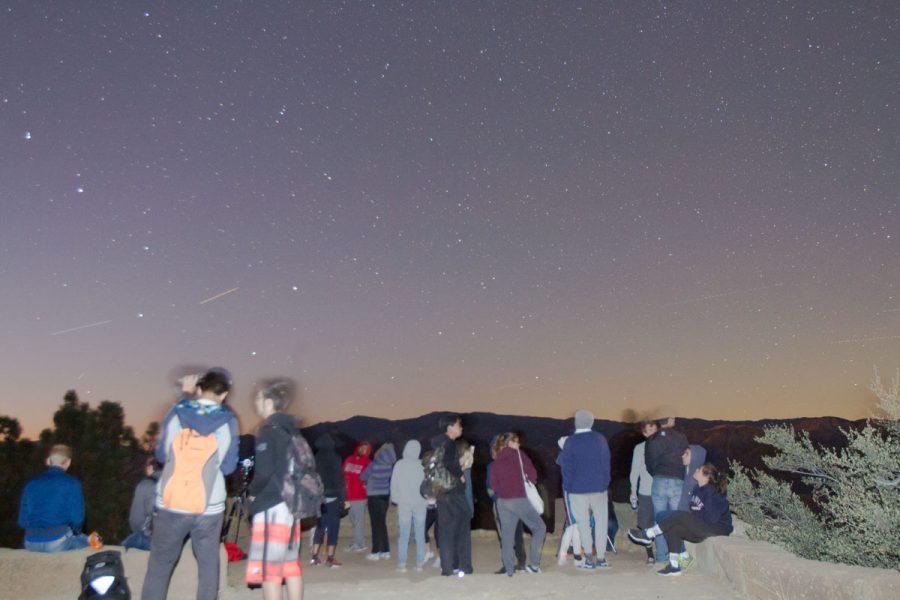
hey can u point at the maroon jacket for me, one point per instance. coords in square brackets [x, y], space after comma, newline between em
[506, 476]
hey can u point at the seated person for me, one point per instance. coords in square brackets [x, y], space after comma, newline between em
[52, 508]
[140, 517]
[709, 515]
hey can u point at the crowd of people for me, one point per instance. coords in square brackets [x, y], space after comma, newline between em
[677, 495]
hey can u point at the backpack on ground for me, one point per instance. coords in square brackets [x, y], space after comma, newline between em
[302, 488]
[104, 577]
[438, 479]
[190, 471]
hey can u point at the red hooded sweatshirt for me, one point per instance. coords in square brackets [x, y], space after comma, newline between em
[353, 466]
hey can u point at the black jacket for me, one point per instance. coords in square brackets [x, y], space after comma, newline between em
[663, 453]
[330, 468]
[270, 464]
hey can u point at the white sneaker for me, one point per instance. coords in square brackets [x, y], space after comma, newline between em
[401, 569]
[384, 555]
[562, 560]
[437, 563]
[429, 555]
[373, 556]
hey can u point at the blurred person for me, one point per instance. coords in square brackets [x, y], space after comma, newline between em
[274, 557]
[498, 443]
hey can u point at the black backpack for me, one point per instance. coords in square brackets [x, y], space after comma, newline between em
[104, 577]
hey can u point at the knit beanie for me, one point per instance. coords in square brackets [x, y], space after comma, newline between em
[584, 419]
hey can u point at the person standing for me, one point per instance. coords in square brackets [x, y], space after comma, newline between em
[274, 557]
[52, 508]
[406, 482]
[198, 446]
[642, 483]
[377, 478]
[585, 465]
[508, 472]
[454, 524]
[664, 457]
[354, 465]
[328, 464]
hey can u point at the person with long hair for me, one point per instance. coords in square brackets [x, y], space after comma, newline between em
[508, 473]
[709, 515]
[498, 443]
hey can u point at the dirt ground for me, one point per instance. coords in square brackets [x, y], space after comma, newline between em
[628, 577]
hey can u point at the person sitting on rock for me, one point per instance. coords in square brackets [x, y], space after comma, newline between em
[52, 508]
[709, 515]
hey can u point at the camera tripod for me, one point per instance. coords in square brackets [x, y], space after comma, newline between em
[239, 504]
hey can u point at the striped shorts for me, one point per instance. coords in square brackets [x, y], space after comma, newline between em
[273, 555]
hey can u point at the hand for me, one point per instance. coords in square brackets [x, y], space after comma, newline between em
[189, 383]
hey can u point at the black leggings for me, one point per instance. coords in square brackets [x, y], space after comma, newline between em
[683, 526]
[378, 507]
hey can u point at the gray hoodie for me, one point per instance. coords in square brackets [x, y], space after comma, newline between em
[407, 478]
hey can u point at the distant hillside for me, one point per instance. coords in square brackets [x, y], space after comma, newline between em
[723, 440]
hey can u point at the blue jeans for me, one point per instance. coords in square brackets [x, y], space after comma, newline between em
[138, 540]
[407, 517]
[70, 541]
[666, 493]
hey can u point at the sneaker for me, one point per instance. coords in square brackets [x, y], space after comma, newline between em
[669, 571]
[314, 561]
[401, 569]
[333, 564]
[520, 568]
[532, 569]
[419, 568]
[579, 561]
[429, 555]
[638, 536]
[651, 560]
[587, 563]
[373, 556]
[601, 564]
[561, 561]
[385, 555]
[437, 563]
[355, 548]
[685, 562]
[500, 571]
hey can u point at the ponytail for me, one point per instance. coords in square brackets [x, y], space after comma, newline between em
[717, 478]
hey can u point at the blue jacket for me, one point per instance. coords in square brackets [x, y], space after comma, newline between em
[584, 461]
[52, 504]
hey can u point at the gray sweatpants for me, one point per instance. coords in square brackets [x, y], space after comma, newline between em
[582, 506]
[166, 543]
[511, 511]
[358, 522]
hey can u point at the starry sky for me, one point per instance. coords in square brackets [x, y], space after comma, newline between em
[516, 207]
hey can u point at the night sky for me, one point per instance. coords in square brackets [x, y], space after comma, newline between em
[516, 207]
